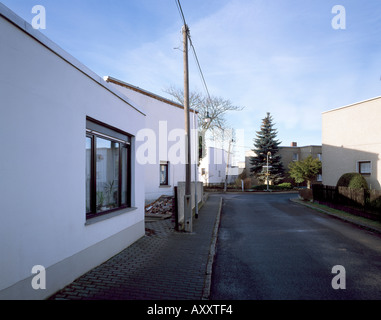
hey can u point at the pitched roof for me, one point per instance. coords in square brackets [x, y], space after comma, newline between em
[145, 92]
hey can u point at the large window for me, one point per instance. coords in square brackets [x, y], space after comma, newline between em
[107, 169]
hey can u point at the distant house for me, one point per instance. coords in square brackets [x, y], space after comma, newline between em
[290, 154]
[72, 192]
[214, 167]
[296, 153]
[351, 137]
[163, 149]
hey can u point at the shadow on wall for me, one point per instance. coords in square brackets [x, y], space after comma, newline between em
[339, 160]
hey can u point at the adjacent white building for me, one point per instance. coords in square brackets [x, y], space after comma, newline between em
[163, 140]
[215, 165]
[71, 189]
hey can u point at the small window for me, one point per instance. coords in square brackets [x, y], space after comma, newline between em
[295, 157]
[108, 169]
[164, 174]
[365, 168]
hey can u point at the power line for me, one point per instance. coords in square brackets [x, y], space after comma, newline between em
[193, 48]
[180, 10]
[199, 68]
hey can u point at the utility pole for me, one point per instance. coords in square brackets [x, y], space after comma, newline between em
[187, 197]
[195, 164]
[227, 167]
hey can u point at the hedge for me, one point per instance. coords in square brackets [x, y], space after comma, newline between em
[352, 180]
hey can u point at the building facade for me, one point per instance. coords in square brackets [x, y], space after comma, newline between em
[72, 194]
[216, 167]
[296, 153]
[163, 145]
[351, 137]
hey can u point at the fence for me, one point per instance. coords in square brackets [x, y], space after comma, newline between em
[325, 193]
[362, 202]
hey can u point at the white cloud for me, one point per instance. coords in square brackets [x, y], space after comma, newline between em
[279, 57]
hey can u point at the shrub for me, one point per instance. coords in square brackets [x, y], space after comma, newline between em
[376, 204]
[282, 186]
[352, 180]
[306, 194]
[374, 201]
[285, 185]
[260, 187]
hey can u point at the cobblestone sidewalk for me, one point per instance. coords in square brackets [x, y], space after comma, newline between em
[162, 265]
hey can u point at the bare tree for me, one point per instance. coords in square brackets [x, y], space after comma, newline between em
[214, 108]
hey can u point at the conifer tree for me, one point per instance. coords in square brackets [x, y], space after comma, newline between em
[266, 142]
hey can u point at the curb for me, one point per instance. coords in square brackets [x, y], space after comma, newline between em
[212, 253]
[150, 217]
[349, 220]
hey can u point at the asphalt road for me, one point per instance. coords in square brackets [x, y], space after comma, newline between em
[270, 248]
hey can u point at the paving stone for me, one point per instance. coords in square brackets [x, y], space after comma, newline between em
[162, 265]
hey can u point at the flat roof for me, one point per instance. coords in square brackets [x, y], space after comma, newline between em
[353, 104]
[307, 146]
[16, 20]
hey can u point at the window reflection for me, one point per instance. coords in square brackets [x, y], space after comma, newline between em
[107, 174]
[108, 183]
[88, 173]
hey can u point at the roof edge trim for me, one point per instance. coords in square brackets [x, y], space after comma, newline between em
[17, 21]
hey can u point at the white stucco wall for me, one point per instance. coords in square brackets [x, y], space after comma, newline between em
[166, 122]
[351, 134]
[43, 109]
[214, 163]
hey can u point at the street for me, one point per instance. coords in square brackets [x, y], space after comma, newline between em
[270, 248]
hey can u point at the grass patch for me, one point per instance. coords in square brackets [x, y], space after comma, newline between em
[341, 214]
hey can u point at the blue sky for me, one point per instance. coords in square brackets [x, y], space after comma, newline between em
[277, 56]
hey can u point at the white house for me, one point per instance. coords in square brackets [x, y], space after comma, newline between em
[163, 140]
[215, 165]
[72, 192]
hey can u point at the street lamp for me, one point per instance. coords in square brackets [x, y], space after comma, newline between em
[267, 174]
[207, 118]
